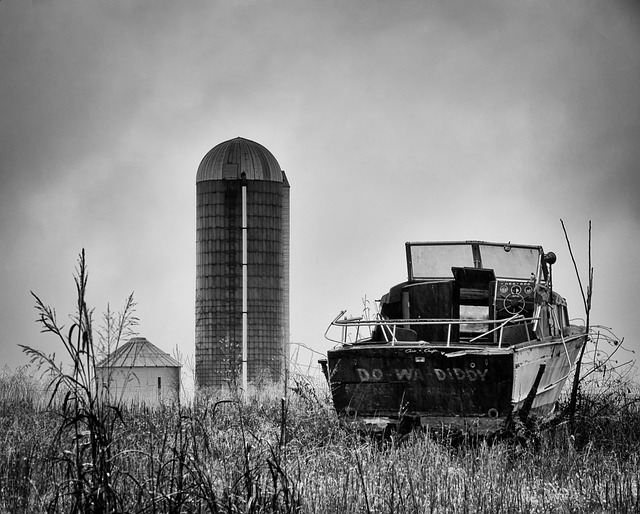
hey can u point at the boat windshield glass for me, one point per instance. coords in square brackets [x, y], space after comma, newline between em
[430, 261]
[515, 262]
[436, 261]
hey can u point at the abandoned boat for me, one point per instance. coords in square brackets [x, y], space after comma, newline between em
[475, 335]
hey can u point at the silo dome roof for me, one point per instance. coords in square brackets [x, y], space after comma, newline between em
[228, 160]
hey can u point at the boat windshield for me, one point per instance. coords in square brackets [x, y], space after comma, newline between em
[518, 262]
[435, 260]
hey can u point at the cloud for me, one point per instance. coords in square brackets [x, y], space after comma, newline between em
[395, 121]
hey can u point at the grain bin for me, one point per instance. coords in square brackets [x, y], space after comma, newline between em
[139, 372]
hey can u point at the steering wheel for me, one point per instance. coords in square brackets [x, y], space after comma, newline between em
[514, 304]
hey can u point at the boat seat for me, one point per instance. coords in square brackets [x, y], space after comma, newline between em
[430, 300]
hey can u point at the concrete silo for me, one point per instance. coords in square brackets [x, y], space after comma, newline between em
[242, 265]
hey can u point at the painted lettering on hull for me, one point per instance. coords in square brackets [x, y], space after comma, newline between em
[470, 374]
[375, 375]
[460, 374]
[409, 374]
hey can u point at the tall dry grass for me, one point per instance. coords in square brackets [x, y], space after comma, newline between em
[272, 449]
[258, 452]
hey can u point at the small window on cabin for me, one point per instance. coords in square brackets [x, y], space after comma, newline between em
[159, 382]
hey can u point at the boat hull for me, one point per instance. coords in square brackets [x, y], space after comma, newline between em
[470, 388]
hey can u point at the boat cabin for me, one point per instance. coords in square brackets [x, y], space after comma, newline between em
[472, 291]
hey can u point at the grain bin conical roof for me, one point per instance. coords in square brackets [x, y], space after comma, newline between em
[139, 352]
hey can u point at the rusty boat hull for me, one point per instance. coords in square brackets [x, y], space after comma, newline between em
[475, 335]
[471, 389]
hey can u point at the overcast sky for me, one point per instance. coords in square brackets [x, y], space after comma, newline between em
[394, 120]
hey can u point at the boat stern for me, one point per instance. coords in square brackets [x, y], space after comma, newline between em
[375, 387]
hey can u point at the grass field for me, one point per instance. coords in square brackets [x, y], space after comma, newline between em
[275, 449]
[261, 452]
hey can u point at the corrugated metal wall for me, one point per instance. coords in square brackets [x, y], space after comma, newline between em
[138, 384]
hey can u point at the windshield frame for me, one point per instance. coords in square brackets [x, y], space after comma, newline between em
[425, 265]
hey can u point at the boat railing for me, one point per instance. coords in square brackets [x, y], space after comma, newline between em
[388, 327]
